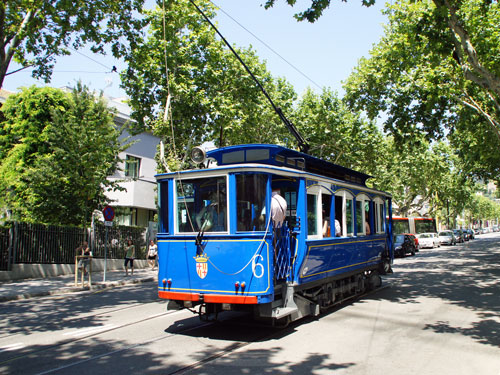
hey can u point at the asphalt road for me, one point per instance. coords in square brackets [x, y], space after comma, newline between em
[438, 314]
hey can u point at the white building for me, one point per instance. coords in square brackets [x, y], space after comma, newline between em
[137, 204]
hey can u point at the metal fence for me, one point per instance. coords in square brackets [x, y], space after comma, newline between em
[4, 248]
[117, 241]
[37, 243]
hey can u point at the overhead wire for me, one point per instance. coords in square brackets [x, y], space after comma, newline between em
[268, 46]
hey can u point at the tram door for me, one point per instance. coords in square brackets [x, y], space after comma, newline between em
[284, 240]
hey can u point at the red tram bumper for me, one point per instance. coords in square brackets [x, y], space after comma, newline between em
[208, 298]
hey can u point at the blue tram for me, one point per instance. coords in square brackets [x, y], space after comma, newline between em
[218, 249]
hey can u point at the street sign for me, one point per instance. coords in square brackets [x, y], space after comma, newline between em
[109, 213]
[108, 223]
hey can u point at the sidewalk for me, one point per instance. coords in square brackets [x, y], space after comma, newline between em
[29, 288]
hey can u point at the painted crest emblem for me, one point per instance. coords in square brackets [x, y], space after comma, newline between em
[201, 265]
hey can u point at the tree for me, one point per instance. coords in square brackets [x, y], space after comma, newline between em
[58, 149]
[336, 133]
[211, 96]
[435, 71]
[34, 32]
[414, 76]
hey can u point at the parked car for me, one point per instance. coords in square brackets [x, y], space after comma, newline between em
[428, 240]
[459, 235]
[404, 244]
[446, 237]
[471, 234]
[415, 239]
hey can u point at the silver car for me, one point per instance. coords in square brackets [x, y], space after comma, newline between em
[446, 237]
[430, 240]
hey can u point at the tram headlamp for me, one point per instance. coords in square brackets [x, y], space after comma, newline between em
[198, 155]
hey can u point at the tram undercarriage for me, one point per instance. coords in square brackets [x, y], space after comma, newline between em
[293, 301]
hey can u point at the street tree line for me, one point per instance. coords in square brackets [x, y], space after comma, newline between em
[187, 88]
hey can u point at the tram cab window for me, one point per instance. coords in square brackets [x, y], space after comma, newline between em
[251, 201]
[363, 227]
[201, 205]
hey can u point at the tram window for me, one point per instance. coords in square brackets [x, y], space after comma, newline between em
[379, 215]
[201, 205]
[349, 214]
[312, 215]
[359, 217]
[326, 203]
[363, 215]
[251, 200]
[338, 213]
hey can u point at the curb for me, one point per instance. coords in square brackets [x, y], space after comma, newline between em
[67, 290]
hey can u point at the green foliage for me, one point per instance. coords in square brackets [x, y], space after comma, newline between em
[57, 150]
[424, 77]
[337, 134]
[213, 98]
[315, 10]
[34, 32]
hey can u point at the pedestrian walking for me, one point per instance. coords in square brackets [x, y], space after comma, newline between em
[152, 251]
[129, 257]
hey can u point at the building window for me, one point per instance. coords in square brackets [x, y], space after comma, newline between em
[132, 166]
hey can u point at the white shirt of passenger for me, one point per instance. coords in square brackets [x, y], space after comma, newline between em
[278, 209]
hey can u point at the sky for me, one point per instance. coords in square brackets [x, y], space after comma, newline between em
[322, 54]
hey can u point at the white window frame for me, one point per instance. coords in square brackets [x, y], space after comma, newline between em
[187, 179]
[345, 194]
[315, 190]
[363, 198]
[379, 213]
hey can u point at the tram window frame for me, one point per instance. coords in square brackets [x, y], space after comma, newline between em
[163, 206]
[327, 216]
[364, 201]
[347, 219]
[258, 223]
[316, 212]
[379, 215]
[201, 199]
[312, 215]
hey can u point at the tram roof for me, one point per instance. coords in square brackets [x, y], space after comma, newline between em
[284, 157]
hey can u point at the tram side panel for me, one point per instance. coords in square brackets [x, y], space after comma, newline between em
[333, 258]
[224, 270]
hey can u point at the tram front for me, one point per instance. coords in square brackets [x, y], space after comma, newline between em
[215, 240]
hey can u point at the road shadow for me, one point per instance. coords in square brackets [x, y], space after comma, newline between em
[70, 311]
[466, 275]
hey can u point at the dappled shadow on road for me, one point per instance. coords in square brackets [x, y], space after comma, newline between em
[70, 311]
[466, 275]
[167, 354]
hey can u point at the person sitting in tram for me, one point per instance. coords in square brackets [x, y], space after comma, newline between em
[212, 218]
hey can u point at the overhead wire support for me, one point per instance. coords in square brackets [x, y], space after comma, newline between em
[303, 145]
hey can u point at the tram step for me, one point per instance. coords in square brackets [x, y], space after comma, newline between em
[284, 311]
